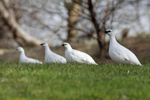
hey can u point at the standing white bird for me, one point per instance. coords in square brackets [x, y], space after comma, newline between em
[24, 59]
[51, 57]
[119, 53]
[77, 56]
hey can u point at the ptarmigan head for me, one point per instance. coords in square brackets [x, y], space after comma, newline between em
[109, 31]
[20, 49]
[66, 45]
[44, 44]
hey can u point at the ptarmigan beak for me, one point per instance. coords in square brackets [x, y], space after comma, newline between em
[63, 45]
[42, 43]
[106, 32]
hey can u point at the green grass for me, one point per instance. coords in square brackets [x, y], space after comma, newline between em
[73, 82]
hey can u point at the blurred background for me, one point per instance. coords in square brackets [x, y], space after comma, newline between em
[82, 23]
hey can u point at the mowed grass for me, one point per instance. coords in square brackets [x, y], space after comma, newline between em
[73, 82]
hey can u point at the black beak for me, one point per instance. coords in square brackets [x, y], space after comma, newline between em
[107, 31]
[42, 43]
[63, 45]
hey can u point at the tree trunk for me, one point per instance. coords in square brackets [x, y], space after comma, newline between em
[20, 35]
[73, 14]
[96, 25]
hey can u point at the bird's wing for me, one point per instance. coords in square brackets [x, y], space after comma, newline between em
[132, 59]
[78, 56]
[31, 60]
[60, 58]
[55, 58]
[124, 54]
[89, 59]
[128, 56]
[119, 54]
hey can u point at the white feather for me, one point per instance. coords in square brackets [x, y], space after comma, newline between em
[24, 59]
[77, 56]
[51, 57]
[119, 53]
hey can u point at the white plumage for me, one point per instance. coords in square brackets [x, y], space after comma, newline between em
[51, 57]
[119, 53]
[24, 59]
[77, 56]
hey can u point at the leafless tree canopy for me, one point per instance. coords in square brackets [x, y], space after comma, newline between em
[98, 15]
[54, 21]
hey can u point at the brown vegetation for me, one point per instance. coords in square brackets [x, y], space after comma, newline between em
[18, 34]
[139, 45]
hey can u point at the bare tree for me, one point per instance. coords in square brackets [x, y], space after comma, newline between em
[99, 16]
[18, 33]
[51, 17]
[73, 9]
[100, 26]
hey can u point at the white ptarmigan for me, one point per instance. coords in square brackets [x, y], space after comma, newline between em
[119, 53]
[51, 57]
[77, 56]
[24, 59]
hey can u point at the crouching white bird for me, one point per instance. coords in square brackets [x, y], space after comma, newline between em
[77, 56]
[24, 59]
[51, 57]
[119, 53]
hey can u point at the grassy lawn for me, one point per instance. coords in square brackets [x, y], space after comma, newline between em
[74, 82]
